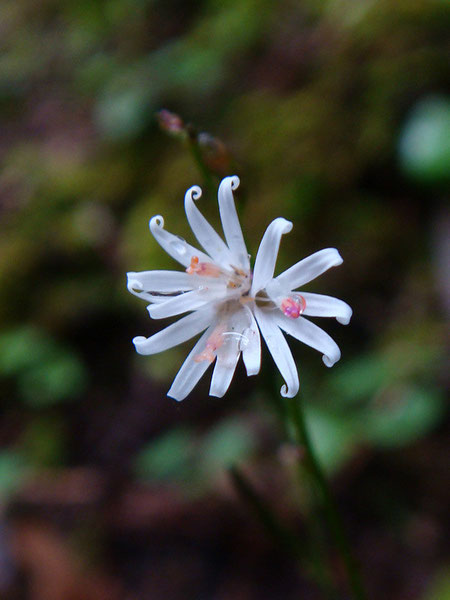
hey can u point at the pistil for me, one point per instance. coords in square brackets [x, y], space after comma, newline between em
[293, 306]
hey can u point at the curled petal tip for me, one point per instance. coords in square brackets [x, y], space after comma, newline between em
[285, 225]
[194, 192]
[328, 362]
[343, 320]
[131, 277]
[253, 371]
[138, 342]
[156, 222]
[133, 284]
[287, 393]
[233, 181]
[288, 225]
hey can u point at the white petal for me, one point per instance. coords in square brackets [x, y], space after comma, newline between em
[309, 268]
[203, 231]
[191, 371]
[280, 351]
[136, 288]
[318, 305]
[176, 247]
[161, 281]
[227, 358]
[185, 302]
[251, 346]
[311, 335]
[176, 333]
[267, 253]
[230, 222]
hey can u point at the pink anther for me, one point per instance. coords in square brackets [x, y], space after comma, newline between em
[293, 306]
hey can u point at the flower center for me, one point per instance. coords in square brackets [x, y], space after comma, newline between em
[225, 334]
[235, 277]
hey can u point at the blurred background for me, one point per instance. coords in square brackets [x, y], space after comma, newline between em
[336, 115]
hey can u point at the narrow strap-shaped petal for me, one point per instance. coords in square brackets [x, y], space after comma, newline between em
[311, 335]
[175, 334]
[251, 345]
[176, 247]
[230, 222]
[136, 288]
[309, 268]
[203, 231]
[280, 351]
[318, 305]
[162, 281]
[191, 370]
[267, 253]
[185, 302]
[227, 358]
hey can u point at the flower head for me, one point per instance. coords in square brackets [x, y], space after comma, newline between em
[229, 304]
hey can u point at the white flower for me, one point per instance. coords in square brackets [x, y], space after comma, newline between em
[229, 305]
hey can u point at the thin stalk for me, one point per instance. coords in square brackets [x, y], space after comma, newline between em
[330, 509]
[313, 523]
[192, 141]
[279, 532]
[316, 533]
[262, 510]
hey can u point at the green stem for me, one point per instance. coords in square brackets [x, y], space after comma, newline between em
[264, 513]
[192, 141]
[331, 512]
[314, 523]
[317, 542]
[281, 534]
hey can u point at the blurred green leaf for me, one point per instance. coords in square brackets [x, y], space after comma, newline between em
[227, 443]
[360, 378]
[45, 371]
[59, 379]
[23, 348]
[123, 113]
[424, 145]
[43, 441]
[12, 472]
[166, 458]
[333, 437]
[400, 415]
[440, 587]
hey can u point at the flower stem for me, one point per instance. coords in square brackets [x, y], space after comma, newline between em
[330, 509]
[265, 514]
[288, 541]
[192, 141]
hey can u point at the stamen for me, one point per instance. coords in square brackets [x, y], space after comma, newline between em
[203, 268]
[193, 266]
[213, 343]
[293, 306]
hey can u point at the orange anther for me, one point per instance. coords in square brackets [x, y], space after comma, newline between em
[203, 268]
[193, 266]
